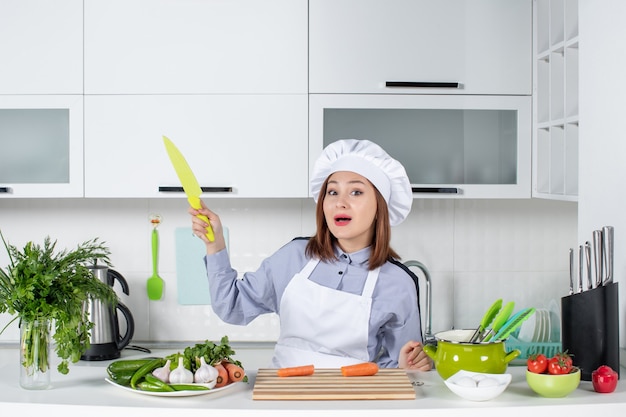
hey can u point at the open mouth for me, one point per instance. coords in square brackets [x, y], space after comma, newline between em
[342, 220]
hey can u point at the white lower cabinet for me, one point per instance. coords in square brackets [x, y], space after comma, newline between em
[237, 145]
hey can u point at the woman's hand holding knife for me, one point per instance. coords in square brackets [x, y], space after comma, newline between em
[199, 228]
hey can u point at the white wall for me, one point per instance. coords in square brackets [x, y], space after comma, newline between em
[602, 63]
[476, 251]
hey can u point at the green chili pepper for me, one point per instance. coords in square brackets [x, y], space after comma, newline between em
[145, 369]
[153, 380]
[127, 365]
[121, 379]
[146, 386]
[189, 387]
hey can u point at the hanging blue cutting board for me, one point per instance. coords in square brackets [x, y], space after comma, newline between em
[191, 279]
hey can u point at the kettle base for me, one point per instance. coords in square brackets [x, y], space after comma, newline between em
[101, 352]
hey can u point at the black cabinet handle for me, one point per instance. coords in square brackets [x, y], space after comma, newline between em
[422, 84]
[167, 189]
[442, 190]
[6, 190]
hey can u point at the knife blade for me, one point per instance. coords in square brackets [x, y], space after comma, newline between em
[607, 251]
[588, 263]
[581, 263]
[597, 254]
[571, 271]
[188, 181]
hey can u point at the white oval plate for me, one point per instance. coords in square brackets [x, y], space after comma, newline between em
[175, 393]
[539, 328]
[555, 321]
[527, 331]
[546, 326]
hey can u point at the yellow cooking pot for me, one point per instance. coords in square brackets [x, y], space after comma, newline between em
[453, 353]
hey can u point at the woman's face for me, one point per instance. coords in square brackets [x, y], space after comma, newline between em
[350, 210]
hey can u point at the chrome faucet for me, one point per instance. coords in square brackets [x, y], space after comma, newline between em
[428, 336]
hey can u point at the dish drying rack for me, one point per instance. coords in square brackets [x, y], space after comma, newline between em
[528, 348]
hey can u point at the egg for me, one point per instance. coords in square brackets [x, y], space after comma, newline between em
[466, 381]
[488, 382]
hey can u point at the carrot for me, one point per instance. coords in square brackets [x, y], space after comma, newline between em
[235, 373]
[360, 369]
[303, 370]
[222, 375]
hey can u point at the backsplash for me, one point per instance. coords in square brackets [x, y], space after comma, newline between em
[476, 251]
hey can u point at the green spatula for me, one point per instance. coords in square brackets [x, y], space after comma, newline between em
[513, 323]
[498, 322]
[155, 282]
[486, 320]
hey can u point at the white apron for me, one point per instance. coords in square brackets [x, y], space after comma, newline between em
[323, 326]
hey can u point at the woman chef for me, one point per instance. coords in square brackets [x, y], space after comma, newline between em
[341, 295]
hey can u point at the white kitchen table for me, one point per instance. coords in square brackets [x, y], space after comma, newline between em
[85, 392]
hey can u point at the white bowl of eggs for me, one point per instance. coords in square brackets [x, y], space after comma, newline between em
[476, 386]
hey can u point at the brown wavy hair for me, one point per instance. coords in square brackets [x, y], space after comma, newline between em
[322, 244]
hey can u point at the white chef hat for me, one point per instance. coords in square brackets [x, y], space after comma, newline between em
[371, 161]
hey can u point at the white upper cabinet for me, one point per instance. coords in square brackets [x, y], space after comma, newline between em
[226, 81]
[195, 47]
[359, 46]
[452, 146]
[41, 47]
[41, 146]
[41, 102]
[237, 145]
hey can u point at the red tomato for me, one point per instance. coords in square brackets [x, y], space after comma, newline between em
[561, 363]
[537, 363]
[604, 379]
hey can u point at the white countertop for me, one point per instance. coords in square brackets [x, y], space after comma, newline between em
[85, 392]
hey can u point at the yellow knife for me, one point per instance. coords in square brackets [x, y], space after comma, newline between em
[189, 182]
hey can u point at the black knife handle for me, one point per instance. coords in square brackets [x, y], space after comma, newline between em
[168, 189]
[435, 190]
[422, 84]
[6, 190]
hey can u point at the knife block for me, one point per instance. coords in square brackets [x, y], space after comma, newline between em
[590, 328]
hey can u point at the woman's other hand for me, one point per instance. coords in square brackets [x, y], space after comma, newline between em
[199, 227]
[412, 356]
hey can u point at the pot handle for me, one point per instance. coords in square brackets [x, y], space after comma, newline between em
[123, 341]
[512, 355]
[430, 350]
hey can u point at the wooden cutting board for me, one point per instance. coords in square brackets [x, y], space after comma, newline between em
[329, 384]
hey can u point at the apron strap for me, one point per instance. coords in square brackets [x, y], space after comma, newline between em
[309, 267]
[370, 283]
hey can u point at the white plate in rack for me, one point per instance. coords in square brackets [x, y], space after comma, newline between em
[539, 326]
[555, 321]
[548, 329]
[527, 330]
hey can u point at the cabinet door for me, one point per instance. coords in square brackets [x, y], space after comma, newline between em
[41, 47]
[254, 145]
[358, 46]
[195, 47]
[451, 146]
[41, 142]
